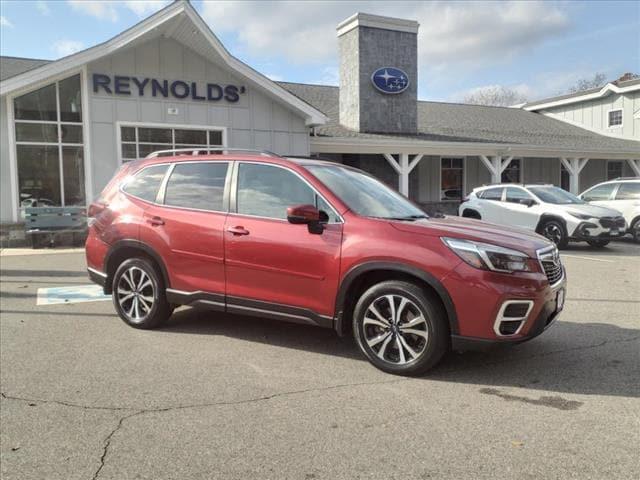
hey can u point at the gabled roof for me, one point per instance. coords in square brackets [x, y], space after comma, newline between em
[12, 66]
[470, 124]
[585, 95]
[180, 21]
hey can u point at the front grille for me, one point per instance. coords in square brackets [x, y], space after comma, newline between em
[612, 222]
[551, 264]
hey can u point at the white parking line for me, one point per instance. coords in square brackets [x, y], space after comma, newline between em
[588, 258]
[74, 294]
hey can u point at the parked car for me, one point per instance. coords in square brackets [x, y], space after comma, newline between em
[623, 194]
[550, 211]
[316, 243]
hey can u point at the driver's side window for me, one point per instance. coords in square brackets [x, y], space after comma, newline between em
[516, 195]
[267, 191]
[602, 192]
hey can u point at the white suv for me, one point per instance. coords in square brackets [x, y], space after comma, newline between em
[623, 194]
[550, 211]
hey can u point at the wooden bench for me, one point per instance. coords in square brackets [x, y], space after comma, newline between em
[50, 223]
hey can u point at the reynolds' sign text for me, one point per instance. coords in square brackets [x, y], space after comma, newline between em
[123, 85]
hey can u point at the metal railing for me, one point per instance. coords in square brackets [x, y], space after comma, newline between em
[209, 151]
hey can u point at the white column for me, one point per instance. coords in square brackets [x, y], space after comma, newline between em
[496, 165]
[635, 166]
[403, 166]
[574, 166]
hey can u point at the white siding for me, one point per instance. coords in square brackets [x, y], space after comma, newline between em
[593, 114]
[255, 121]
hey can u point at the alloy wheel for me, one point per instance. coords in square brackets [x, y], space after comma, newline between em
[553, 232]
[395, 329]
[135, 294]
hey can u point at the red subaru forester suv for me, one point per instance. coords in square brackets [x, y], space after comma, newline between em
[318, 243]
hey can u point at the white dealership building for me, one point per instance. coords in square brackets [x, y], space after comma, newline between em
[168, 82]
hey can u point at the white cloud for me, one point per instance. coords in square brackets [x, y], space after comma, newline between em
[43, 8]
[110, 10]
[144, 8]
[98, 9]
[472, 33]
[4, 22]
[62, 48]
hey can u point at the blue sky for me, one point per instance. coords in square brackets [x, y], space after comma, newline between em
[538, 48]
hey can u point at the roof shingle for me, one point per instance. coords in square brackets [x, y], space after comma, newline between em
[454, 122]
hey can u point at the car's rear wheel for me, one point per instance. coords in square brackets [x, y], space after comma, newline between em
[554, 230]
[400, 328]
[598, 243]
[139, 295]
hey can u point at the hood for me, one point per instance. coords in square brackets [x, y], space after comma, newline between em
[457, 227]
[593, 210]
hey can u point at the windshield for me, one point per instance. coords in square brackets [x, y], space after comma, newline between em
[555, 195]
[364, 194]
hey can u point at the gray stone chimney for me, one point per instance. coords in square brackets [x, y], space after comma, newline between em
[378, 74]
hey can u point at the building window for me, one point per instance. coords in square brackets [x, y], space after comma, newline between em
[615, 118]
[512, 174]
[615, 169]
[50, 145]
[451, 178]
[139, 141]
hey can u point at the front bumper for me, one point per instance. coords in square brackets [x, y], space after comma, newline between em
[481, 307]
[594, 230]
[546, 318]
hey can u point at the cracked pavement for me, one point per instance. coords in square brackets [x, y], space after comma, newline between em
[214, 396]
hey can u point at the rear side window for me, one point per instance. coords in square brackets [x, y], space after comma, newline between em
[267, 191]
[197, 185]
[628, 191]
[146, 183]
[491, 194]
[602, 192]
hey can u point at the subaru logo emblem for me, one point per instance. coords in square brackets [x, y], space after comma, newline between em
[390, 80]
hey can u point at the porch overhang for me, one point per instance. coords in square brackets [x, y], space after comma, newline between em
[426, 147]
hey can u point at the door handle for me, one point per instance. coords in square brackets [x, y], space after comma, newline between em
[239, 230]
[155, 221]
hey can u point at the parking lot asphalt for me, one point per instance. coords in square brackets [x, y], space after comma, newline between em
[214, 396]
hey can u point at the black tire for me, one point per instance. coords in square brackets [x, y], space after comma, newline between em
[555, 231]
[598, 243]
[135, 283]
[635, 230]
[468, 213]
[425, 347]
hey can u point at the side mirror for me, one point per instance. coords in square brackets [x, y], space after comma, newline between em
[306, 215]
[529, 202]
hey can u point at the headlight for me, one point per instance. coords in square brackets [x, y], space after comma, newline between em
[489, 257]
[581, 216]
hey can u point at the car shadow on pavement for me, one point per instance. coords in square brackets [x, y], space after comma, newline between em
[577, 358]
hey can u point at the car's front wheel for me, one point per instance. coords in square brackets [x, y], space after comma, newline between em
[138, 294]
[400, 328]
[635, 230]
[598, 243]
[554, 230]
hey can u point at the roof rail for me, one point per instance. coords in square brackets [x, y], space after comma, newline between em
[625, 178]
[208, 151]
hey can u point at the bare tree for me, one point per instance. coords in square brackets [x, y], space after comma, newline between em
[495, 95]
[598, 80]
